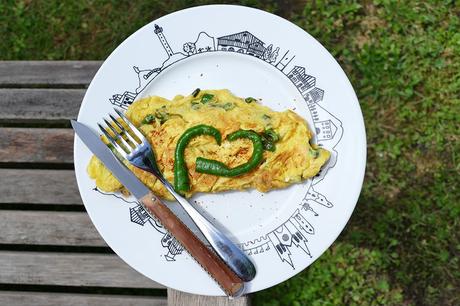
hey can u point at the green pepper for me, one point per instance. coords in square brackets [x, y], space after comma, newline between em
[272, 135]
[228, 106]
[209, 166]
[195, 105]
[206, 98]
[148, 119]
[162, 115]
[314, 153]
[181, 180]
[249, 100]
[195, 92]
[268, 144]
[269, 138]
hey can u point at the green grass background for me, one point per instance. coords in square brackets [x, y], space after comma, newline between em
[402, 244]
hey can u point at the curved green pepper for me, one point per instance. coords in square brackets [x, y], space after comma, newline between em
[181, 180]
[210, 166]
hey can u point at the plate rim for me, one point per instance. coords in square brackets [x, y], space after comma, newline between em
[360, 172]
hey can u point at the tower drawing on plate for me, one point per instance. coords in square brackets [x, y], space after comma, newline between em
[296, 230]
[145, 76]
[172, 56]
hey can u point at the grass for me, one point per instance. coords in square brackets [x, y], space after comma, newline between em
[402, 244]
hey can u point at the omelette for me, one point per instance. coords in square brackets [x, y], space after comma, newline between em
[290, 160]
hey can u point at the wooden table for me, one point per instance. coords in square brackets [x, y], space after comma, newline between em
[50, 252]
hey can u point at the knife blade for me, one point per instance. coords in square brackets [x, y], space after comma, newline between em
[230, 283]
[102, 151]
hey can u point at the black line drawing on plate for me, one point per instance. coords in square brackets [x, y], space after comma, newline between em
[139, 215]
[172, 56]
[328, 133]
[247, 43]
[203, 43]
[145, 76]
[284, 61]
[327, 127]
[292, 232]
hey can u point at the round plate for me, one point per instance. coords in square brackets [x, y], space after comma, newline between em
[252, 53]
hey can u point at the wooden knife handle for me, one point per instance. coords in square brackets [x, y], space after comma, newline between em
[222, 274]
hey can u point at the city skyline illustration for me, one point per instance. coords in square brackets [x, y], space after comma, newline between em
[296, 230]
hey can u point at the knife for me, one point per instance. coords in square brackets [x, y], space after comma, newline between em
[230, 283]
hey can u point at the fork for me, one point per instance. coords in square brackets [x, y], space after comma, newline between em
[139, 153]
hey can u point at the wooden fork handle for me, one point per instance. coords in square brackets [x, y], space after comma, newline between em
[209, 261]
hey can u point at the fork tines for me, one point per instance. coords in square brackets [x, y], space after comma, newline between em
[120, 132]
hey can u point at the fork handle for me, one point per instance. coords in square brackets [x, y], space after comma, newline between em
[209, 261]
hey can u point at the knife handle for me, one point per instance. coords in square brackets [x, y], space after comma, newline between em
[209, 261]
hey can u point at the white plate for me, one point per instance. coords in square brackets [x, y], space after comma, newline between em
[252, 53]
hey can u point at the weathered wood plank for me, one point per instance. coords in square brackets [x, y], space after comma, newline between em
[47, 72]
[48, 228]
[15, 298]
[179, 298]
[36, 145]
[40, 104]
[69, 269]
[38, 186]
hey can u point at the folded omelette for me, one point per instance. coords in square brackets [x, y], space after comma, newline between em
[294, 158]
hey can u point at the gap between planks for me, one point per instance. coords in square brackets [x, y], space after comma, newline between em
[66, 269]
[38, 186]
[48, 228]
[17, 298]
[39, 104]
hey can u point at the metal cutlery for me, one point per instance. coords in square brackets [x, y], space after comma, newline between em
[230, 283]
[134, 147]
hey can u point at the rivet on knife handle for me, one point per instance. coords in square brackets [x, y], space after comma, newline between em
[222, 274]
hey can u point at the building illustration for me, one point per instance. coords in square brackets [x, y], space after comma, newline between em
[301, 80]
[325, 130]
[290, 237]
[243, 42]
[140, 216]
[284, 61]
[315, 95]
[293, 232]
[144, 77]
[123, 100]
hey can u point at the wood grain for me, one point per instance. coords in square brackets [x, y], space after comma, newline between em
[179, 298]
[48, 228]
[20, 145]
[38, 186]
[34, 73]
[15, 298]
[37, 92]
[40, 104]
[69, 269]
